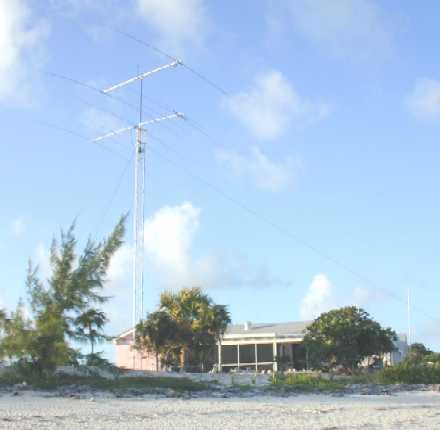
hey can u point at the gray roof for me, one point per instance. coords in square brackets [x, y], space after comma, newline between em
[295, 328]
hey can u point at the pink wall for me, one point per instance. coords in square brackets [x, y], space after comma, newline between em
[128, 358]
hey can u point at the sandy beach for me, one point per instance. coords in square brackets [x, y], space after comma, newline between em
[415, 410]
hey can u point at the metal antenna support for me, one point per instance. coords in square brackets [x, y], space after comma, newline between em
[138, 229]
[139, 189]
[408, 304]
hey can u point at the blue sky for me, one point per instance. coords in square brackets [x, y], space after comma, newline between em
[325, 127]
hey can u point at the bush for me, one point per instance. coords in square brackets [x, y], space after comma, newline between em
[123, 385]
[305, 382]
[405, 373]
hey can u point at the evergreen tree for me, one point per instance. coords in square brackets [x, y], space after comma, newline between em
[73, 289]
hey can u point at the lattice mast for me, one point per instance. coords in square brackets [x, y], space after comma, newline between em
[138, 228]
[139, 187]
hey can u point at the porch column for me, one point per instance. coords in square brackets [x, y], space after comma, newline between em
[220, 357]
[256, 358]
[238, 356]
[275, 364]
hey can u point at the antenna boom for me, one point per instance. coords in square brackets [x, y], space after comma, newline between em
[141, 76]
[140, 125]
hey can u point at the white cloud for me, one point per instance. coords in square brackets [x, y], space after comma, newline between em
[178, 22]
[362, 296]
[428, 332]
[18, 227]
[98, 121]
[169, 249]
[20, 40]
[424, 101]
[267, 174]
[318, 298]
[321, 297]
[171, 264]
[74, 6]
[354, 28]
[42, 260]
[119, 288]
[119, 269]
[272, 105]
[168, 237]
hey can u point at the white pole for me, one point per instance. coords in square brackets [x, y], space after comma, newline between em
[138, 221]
[135, 222]
[409, 317]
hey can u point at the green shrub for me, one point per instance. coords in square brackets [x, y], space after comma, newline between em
[305, 382]
[50, 381]
[407, 373]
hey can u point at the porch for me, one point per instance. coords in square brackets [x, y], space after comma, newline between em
[260, 347]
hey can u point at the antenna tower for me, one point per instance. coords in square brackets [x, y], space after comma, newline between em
[139, 185]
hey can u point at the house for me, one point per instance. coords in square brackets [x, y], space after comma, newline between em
[399, 354]
[243, 346]
[248, 346]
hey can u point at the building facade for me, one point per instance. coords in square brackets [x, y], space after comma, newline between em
[248, 347]
[129, 358]
[263, 347]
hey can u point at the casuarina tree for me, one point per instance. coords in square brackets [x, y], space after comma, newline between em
[58, 306]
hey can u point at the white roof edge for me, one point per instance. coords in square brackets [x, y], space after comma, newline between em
[241, 335]
[124, 333]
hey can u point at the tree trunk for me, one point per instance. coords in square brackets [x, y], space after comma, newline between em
[182, 359]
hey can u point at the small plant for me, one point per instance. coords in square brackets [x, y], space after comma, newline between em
[254, 379]
[305, 382]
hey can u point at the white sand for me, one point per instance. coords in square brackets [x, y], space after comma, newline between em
[416, 410]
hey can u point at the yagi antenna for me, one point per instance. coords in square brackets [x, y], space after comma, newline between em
[139, 190]
[139, 125]
[142, 76]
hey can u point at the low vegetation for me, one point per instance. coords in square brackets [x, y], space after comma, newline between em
[421, 366]
[119, 385]
[407, 373]
[305, 382]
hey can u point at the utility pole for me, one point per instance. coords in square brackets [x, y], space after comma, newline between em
[139, 187]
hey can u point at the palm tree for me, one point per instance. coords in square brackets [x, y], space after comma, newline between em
[89, 327]
[160, 334]
[187, 321]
